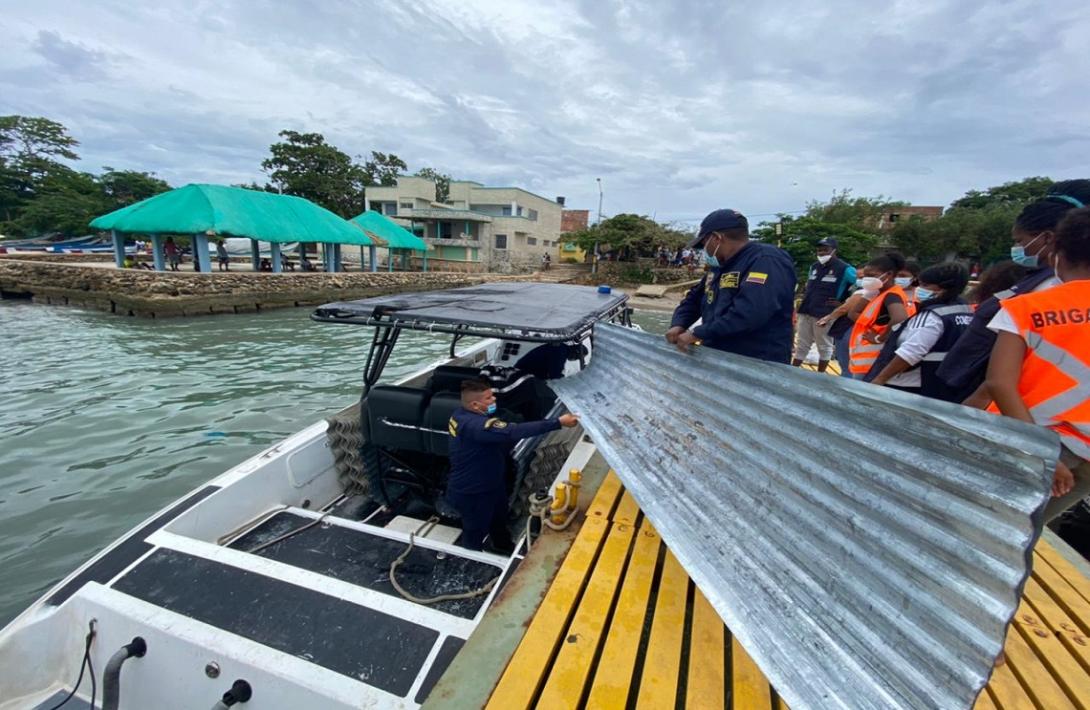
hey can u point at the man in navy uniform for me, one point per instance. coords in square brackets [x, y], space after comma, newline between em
[827, 285]
[479, 445]
[745, 302]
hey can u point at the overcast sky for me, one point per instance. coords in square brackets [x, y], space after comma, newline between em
[679, 107]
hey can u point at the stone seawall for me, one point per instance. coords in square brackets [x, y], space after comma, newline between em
[157, 295]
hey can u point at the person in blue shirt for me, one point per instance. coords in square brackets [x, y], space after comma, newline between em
[480, 443]
[745, 302]
[827, 286]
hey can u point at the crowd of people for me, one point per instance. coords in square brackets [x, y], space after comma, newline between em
[1016, 344]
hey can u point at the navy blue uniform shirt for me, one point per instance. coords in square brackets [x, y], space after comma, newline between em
[479, 445]
[746, 304]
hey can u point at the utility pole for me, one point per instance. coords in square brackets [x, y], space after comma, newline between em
[598, 223]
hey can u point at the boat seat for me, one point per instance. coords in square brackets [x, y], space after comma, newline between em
[449, 378]
[392, 405]
[437, 418]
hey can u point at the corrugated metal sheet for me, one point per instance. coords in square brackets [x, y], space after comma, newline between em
[867, 547]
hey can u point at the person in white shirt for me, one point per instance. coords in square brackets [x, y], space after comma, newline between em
[914, 351]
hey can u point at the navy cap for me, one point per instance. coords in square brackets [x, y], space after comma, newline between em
[827, 242]
[718, 221]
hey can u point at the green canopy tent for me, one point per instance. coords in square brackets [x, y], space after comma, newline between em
[218, 210]
[384, 229]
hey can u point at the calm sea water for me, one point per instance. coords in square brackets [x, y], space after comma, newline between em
[104, 420]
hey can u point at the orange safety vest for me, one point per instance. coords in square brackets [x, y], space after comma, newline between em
[1055, 382]
[863, 354]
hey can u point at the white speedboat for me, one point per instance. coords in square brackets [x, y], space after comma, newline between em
[324, 571]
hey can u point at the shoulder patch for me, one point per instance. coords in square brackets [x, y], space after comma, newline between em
[756, 277]
[494, 423]
[729, 280]
[452, 426]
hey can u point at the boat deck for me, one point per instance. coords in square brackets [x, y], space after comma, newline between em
[622, 625]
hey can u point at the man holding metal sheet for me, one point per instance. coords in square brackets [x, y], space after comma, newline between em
[746, 300]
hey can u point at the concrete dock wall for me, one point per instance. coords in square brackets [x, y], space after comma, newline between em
[157, 295]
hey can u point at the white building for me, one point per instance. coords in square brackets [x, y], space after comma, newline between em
[478, 228]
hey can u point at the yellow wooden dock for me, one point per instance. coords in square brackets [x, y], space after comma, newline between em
[623, 625]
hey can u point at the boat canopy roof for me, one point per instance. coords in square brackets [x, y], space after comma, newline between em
[219, 210]
[539, 312]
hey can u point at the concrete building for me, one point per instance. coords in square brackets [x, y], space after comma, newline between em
[478, 228]
[889, 219]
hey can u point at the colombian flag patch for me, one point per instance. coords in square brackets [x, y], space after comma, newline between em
[756, 277]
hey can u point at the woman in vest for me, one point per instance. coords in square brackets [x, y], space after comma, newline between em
[1032, 235]
[915, 350]
[884, 304]
[1040, 366]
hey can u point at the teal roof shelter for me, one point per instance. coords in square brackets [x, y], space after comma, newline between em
[217, 210]
[379, 226]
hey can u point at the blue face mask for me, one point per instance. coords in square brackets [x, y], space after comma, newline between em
[923, 294]
[710, 260]
[491, 409]
[1020, 257]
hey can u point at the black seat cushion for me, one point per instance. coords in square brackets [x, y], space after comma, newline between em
[390, 405]
[437, 418]
[449, 378]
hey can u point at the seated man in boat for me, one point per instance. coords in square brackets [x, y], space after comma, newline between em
[479, 445]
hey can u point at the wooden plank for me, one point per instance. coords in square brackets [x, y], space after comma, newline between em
[750, 688]
[1050, 632]
[705, 687]
[1061, 624]
[984, 701]
[1068, 571]
[1042, 688]
[627, 510]
[525, 671]
[1061, 591]
[569, 674]
[1006, 691]
[606, 498]
[780, 704]
[613, 676]
[662, 664]
[1053, 654]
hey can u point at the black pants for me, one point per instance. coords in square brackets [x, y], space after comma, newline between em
[483, 514]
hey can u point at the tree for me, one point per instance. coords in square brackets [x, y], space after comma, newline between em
[801, 235]
[629, 235]
[860, 213]
[30, 149]
[125, 187]
[383, 169]
[1016, 192]
[303, 164]
[441, 180]
[65, 203]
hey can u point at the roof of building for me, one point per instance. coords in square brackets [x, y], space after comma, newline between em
[378, 226]
[234, 211]
[443, 213]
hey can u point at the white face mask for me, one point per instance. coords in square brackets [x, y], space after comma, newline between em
[824, 259]
[872, 283]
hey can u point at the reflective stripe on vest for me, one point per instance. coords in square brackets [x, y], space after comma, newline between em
[1047, 410]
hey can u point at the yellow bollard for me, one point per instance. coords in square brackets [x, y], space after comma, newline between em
[575, 481]
[559, 509]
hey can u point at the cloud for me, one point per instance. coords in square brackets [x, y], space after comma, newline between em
[679, 107]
